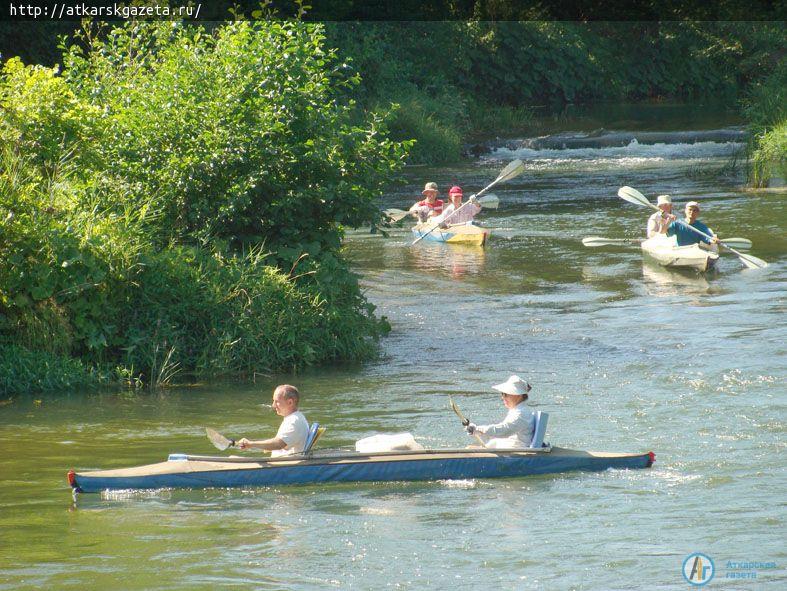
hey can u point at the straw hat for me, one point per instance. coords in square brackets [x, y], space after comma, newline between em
[514, 385]
[663, 199]
[429, 187]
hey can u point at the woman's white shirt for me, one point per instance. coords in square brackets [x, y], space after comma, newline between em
[515, 431]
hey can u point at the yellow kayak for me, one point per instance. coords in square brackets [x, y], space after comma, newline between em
[467, 233]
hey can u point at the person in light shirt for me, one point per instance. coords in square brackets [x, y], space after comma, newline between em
[659, 221]
[517, 428]
[293, 431]
[463, 215]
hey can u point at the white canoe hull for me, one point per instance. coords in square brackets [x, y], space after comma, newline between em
[666, 252]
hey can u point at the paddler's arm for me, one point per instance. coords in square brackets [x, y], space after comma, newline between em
[507, 427]
[266, 444]
[418, 212]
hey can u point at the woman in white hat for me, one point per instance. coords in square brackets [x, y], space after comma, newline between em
[516, 430]
[659, 221]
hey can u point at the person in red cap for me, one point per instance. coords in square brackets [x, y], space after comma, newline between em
[430, 206]
[456, 212]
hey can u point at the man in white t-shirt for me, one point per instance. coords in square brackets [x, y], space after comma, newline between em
[294, 429]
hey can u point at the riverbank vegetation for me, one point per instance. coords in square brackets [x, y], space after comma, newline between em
[174, 201]
[457, 80]
[766, 109]
[173, 196]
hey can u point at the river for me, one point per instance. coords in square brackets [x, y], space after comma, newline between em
[624, 356]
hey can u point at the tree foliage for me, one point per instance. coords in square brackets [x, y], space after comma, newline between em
[177, 196]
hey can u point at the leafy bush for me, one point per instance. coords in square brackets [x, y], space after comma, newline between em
[175, 201]
[766, 109]
[23, 371]
[243, 134]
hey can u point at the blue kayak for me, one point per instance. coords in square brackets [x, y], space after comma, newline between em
[187, 471]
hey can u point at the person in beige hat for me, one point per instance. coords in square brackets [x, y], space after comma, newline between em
[659, 221]
[516, 429]
[685, 235]
[430, 206]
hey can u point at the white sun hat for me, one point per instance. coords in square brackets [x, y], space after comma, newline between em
[515, 385]
[693, 204]
[663, 199]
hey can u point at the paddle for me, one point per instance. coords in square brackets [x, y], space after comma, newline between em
[490, 201]
[465, 422]
[396, 214]
[637, 198]
[594, 241]
[513, 169]
[218, 440]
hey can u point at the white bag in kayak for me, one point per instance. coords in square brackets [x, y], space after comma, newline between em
[395, 442]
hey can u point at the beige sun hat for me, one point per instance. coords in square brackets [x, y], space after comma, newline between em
[515, 385]
[429, 187]
[663, 199]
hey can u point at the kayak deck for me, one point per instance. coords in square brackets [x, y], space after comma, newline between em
[467, 233]
[184, 471]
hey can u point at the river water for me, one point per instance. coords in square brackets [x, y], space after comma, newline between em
[624, 356]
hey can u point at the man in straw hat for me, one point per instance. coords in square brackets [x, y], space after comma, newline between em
[685, 235]
[659, 221]
[516, 430]
[430, 206]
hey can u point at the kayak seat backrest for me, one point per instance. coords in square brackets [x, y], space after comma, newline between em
[540, 430]
[315, 431]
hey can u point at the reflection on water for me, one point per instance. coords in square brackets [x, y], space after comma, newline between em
[660, 281]
[457, 260]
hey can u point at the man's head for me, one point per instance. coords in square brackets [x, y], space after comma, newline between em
[430, 191]
[285, 400]
[665, 203]
[692, 211]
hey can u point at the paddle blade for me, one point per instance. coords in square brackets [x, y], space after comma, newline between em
[594, 241]
[634, 196]
[750, 261]
[513, 169]
[218, 440]
[458, 412]
[396, 214]
[742, 243]
[490, 201]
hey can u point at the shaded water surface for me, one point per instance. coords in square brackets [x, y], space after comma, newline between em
[624, 356]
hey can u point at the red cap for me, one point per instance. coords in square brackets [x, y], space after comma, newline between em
[455, 190]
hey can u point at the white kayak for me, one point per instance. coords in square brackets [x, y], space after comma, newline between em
[666, 252]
